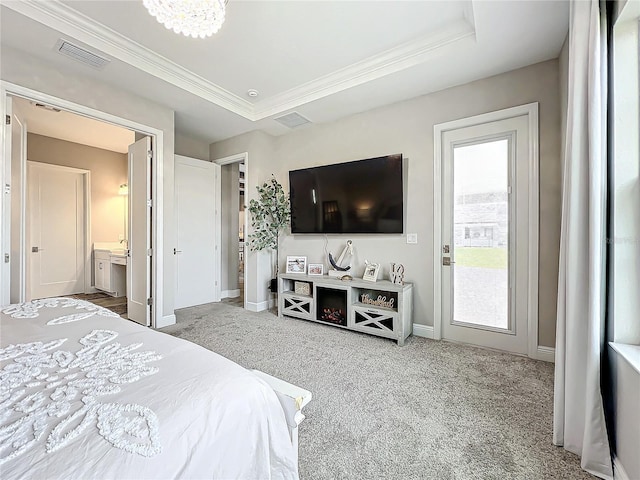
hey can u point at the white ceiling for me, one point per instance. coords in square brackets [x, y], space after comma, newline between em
[323, 59]
[73, 128]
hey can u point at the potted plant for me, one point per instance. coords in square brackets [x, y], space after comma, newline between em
[270, 215]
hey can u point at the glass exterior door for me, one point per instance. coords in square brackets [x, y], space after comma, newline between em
[485, 234]
[481, 234]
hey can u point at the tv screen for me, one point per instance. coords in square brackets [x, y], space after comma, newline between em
[365, 196]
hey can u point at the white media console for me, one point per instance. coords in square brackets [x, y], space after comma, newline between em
[379, 308]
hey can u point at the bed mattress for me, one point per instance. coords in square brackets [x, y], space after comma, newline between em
[87, 394]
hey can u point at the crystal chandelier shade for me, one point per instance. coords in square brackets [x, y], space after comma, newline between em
[192, 18]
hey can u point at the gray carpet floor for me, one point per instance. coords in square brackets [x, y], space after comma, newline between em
[428, 410]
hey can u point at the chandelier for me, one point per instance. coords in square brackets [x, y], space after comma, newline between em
[192, 18]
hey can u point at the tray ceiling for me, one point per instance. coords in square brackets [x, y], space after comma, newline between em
[323, 59]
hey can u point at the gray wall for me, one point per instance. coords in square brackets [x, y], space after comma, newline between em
[260, 151]
[191, 147]
[108, 171]
[407, 128]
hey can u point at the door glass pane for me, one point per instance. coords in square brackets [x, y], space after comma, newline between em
[481, 234]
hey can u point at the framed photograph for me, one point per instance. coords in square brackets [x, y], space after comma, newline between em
[296, 264]
[316, 269]
[371, 272]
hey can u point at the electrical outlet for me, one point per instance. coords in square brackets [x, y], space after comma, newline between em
[412, 238]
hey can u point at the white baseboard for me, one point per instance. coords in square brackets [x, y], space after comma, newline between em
[260, 306]
[618, 470]
[423, 330]
[230, 293]
[166, 321]
[546, 354]
[257, 307]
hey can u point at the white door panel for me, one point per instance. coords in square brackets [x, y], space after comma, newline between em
[485, 191]
[18, 165]
[56, 250]
[6, 232]
[197, 196]
[139, 262]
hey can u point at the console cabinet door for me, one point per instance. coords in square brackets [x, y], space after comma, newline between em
[378, 321]
[103, 275]
[297, 306]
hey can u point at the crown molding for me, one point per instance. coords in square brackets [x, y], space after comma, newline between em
[406, 55]
[70, 22]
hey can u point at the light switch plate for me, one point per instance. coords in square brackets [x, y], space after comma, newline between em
[412, 238]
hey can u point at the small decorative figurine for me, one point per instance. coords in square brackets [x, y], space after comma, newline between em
[396, 274]
[339, 269]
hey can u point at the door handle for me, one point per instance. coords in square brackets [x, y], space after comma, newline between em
[36, 249]
[446, 261]
[176, 251]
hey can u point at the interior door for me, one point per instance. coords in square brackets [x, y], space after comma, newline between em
[197, 200]
[56, 230]
[139, 254]
[18, 146]
[12, 265]
[485, 234]
[5, 209]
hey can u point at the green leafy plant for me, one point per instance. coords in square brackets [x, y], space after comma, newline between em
[270, 215]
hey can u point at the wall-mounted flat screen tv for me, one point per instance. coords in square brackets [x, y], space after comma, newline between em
[365, 196]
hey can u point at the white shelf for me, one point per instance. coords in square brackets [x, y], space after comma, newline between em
[368, 305]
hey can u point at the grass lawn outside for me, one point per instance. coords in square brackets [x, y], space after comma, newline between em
[483, 257]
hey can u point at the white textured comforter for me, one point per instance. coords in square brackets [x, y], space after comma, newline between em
[85, 394]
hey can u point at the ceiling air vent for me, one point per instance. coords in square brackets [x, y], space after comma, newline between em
[81, 54]
[292, 120]
[44, 106]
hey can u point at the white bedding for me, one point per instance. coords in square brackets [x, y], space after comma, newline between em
[85, 394]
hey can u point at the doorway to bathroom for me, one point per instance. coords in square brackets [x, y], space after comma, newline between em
[77, 186]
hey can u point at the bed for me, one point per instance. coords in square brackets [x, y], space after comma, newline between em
[86, 394]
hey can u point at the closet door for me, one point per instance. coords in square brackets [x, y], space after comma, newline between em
[197, 200]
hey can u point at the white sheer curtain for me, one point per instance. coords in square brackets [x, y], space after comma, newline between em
[579, 423]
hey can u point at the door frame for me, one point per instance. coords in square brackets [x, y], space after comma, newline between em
[531, 111]
[86, 184]
[7, 90]
[237, 158]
